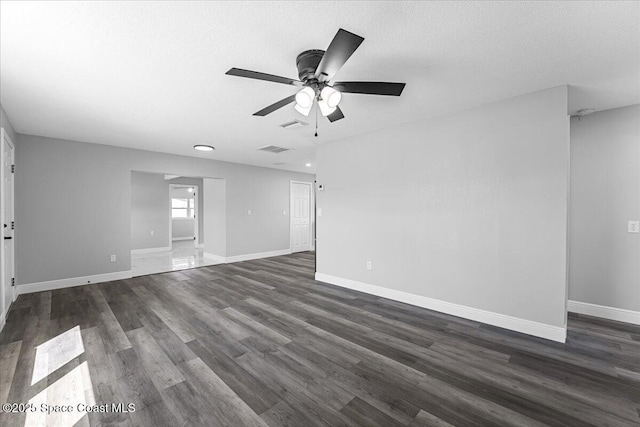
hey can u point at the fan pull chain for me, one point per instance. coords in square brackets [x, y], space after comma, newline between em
[316, 122]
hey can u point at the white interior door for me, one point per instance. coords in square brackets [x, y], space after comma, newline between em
[300, 216]
[6, 213]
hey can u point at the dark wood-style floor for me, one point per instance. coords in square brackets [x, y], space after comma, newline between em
[261, 343]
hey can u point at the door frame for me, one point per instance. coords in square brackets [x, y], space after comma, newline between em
[5, 137]
[312, 219]
[196, 229]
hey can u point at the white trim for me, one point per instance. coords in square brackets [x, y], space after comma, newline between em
[150, 250]
[3, 320]
[73, 281]
[554, 333]
[246, 257]
[175, 239]
[3, 268]
[218, 258]
[200, 246]
[611, 313]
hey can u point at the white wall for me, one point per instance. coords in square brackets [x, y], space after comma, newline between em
[469, 209]
[605, 194]
[150, 211]
[73, 204]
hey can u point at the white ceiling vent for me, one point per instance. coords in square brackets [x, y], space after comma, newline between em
[294, 124]
[273, 149]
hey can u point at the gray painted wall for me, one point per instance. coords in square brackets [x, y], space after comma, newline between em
[605, 194]
[150, 211]
[470, 208]
[6, 124]
[182, 228]
[215, 218]
[73, 205]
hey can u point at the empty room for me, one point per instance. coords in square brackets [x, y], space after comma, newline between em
[320, 213]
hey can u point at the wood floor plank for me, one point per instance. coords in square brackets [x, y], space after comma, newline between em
[262, 343]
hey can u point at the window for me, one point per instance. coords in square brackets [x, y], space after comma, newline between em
[182, 208]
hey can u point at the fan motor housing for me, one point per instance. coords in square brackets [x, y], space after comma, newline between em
[307, 63]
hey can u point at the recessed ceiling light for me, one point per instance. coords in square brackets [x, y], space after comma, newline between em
[308, 165]
[203, 147]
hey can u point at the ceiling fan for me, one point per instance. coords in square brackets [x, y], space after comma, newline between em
[316, 69]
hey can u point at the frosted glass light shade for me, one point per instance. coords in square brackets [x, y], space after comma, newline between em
[304, 98]
[331, 96]
[303, 111]
[324, 108]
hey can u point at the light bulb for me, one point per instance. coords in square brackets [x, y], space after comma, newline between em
[331, 96]
[324, 108]
[304, 98]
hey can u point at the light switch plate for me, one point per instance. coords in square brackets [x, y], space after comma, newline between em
[249, 212]
[633, 227]
[319, 211]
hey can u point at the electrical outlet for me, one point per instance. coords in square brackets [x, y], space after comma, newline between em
[113, 258]
[153, 233]
[368, 265]
[249, 212]
[633, 227]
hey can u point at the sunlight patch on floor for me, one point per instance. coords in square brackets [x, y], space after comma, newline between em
[72, 392]
[57, 352]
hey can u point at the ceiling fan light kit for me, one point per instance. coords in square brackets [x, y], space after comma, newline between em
[303, 111]
[316, 69]
[304, 98]
[325, 109]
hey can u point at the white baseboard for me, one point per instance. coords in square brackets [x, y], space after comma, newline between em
[176, 239]
[218, 258]
[554, 333]
[150, 250]
[246, 257]
[611, 313]
[73, 281]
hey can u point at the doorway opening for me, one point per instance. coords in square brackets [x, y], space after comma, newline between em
[167, 223]
[185, 215]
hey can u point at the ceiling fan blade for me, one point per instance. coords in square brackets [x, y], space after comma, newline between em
[370, 88]
[336, 115]
[263, 76]
[341, 48]
[273, 107]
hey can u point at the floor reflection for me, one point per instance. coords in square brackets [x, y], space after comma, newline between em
[182, 256]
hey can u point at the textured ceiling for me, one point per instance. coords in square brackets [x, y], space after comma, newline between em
[151, 75]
